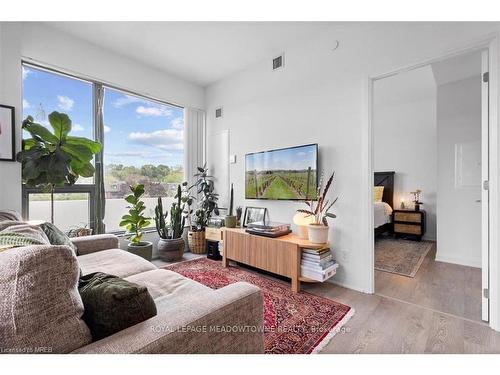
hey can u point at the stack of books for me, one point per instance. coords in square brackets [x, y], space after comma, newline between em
[268, 229]
[318, 264]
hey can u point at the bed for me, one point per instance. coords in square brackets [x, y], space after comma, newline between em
[382, 211]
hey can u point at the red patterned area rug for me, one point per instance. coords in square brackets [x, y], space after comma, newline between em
[295, 323]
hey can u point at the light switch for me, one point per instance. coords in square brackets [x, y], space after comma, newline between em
[232, 159]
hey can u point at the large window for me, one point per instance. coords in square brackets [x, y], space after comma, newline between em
[143, 143]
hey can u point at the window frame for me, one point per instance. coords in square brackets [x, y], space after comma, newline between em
[82, 188]
[98, 135]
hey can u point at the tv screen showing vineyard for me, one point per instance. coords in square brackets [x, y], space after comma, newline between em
[288, 173]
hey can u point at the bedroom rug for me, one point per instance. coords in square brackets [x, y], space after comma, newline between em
[295, 323]
[402, 257]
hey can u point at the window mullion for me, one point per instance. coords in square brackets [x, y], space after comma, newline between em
[100, 199]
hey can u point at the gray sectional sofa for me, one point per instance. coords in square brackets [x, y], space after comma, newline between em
[41, 308]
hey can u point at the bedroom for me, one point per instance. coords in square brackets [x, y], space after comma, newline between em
[428, 175]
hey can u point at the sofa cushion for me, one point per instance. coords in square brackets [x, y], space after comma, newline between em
[90, 244]
[10, 215]
[113, 304]
[18, 234]
[41, 306]
[56, 236]
[164, 283]
[115, 262]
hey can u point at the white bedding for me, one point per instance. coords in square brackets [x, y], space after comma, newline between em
[382, 214]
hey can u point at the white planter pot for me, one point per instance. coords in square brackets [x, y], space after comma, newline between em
[303, 232]
[318, 233]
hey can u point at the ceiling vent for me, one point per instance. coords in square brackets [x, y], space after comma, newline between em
[278, 62]
[218, 112]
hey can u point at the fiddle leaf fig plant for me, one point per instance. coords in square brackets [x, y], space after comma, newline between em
[54, 158]
[135, 222]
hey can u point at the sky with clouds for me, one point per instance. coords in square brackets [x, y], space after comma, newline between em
[136, 131]
[297, 158]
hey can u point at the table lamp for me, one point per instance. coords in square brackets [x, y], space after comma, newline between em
[302, 220]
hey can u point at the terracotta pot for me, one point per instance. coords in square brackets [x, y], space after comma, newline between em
[196, 240]
[318, 233]
[170, 249]
[143, 249]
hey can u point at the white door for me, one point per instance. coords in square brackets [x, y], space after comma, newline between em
[484, 188]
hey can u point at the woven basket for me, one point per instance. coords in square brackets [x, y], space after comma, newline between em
[196, 241]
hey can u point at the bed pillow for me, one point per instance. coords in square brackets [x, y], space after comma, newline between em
[378, 193]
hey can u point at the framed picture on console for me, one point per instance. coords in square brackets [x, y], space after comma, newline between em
[7, 133]
[254, 214]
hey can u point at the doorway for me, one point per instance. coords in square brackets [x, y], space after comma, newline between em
[430, 137]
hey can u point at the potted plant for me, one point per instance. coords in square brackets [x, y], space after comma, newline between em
[171, 244]
[207, 204]
[80, 231]
[230, 220]
[55, 159]
[239, 211]
[135, 222]
[319, 210]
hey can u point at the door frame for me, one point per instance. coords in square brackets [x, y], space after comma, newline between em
[489, 43]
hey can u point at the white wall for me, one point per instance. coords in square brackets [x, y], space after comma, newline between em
[49, 46]
[10, 94]
[404, 137]
[459, 216]
[320, 96]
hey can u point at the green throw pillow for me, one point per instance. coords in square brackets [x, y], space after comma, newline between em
[112, 304]
[56, 236]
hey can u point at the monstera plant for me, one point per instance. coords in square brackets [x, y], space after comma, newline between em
[53, 159]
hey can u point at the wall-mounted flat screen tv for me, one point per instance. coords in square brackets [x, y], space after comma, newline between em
[284, 174]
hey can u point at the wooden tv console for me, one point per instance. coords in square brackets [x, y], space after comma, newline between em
[280, 255]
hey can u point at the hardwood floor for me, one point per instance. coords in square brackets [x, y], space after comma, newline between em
[445, 287]
[385, 325]
[427, 314]
[438, 311]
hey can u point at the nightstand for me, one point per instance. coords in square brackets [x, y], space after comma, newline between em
[409, 223]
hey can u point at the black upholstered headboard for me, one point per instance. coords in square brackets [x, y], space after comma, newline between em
[386, 179]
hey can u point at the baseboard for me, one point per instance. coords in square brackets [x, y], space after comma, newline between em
[463, 261]
[346, 285]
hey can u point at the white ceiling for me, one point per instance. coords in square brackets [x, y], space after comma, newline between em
[199, 52]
